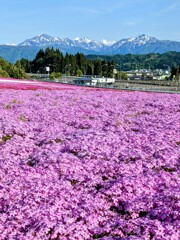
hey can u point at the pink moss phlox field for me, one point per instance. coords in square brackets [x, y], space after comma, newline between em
[18, 84]
[81, 164]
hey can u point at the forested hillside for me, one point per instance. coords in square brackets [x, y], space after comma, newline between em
[146, 61]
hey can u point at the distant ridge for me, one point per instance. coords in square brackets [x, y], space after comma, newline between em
[142, 44]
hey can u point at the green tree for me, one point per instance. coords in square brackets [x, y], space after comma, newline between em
[3, 73]
[79, 73]
[55, 75]
[11, 70]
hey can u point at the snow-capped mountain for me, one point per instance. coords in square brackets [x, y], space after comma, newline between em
[135, 42]
[144, 44]
[141, 44]
[65, 44]
[40, 40]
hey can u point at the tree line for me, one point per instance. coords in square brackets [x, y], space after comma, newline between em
[68, 64]
[9, 70]
[150, 61]
[80, 64]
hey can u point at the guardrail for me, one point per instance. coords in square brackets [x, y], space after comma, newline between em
[170, 86]
[151, 82]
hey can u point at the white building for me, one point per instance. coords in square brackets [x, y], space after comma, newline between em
[93, 80]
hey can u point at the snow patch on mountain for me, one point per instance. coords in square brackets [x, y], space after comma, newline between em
[83, 40]
[141, 44]
[108, 43]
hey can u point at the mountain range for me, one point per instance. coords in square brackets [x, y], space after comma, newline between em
[141, 44]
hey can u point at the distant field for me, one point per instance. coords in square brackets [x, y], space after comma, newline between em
[81, 163]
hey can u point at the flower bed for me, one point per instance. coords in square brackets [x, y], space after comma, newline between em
[89, 164]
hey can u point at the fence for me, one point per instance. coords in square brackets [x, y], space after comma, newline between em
[160, 85]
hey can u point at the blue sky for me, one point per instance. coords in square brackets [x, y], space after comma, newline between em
[97, 19]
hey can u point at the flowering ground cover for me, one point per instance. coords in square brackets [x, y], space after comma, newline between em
[9, 83]
[84, 164]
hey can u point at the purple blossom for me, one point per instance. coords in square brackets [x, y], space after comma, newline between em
[82, 164]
